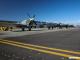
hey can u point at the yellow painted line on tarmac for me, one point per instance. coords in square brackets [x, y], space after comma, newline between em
[56, 49]
[39, 50]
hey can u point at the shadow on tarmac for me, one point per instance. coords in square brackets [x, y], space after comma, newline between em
[25, 30]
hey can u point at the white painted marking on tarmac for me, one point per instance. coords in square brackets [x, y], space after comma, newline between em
[74, 57]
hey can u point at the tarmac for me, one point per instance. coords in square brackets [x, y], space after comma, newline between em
[18, 32]
[40, 44]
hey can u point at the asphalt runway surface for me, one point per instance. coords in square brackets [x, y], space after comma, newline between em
[65, 40]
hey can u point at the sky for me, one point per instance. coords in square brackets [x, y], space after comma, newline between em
[65, 11]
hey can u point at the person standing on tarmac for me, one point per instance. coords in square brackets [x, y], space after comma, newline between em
[29, 28]
[52, 27]
[23, 28]
[48, 26]
[11, 28]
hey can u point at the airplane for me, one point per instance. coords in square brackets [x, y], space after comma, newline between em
[28, 23]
